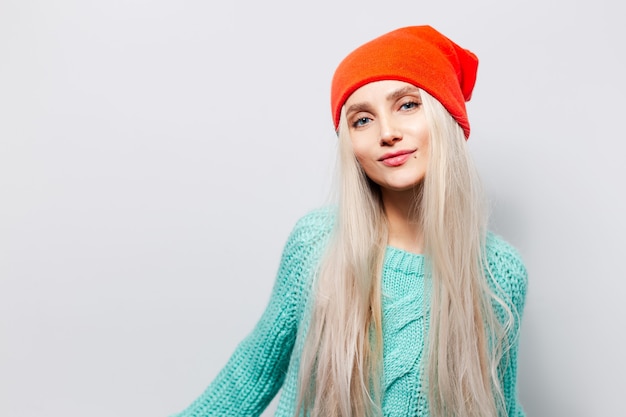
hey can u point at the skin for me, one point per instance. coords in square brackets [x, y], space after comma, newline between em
[390, 139]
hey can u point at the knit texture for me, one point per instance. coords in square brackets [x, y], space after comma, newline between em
[269, 358]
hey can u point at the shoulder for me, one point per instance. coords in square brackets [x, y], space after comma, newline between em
[503, 256]
[299, 261]
[314, 226]
[309, 236]
[507, 269]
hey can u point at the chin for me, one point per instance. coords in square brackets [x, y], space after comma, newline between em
[404, 184]
[402, 187]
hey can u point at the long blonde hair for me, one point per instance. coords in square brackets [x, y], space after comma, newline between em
[341, 363]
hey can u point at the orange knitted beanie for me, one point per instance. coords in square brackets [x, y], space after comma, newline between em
[419, 55]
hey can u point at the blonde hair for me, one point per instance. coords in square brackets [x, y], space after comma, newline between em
[342, 356]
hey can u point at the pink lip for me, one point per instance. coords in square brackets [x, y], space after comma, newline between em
[394, 159]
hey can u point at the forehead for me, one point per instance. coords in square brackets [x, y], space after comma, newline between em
[379, 90]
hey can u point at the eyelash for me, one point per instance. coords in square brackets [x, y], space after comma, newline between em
[361, 121]
[413, 104]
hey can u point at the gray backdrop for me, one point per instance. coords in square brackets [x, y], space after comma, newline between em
[154, 156]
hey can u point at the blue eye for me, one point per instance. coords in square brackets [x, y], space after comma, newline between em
[361, 121]
[409, 105]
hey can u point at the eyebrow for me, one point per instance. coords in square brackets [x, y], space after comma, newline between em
[394, 95]
[409, 89]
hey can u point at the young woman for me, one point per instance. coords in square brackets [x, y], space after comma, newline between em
[396, 301]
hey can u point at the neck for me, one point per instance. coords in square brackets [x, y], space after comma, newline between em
[405, 228]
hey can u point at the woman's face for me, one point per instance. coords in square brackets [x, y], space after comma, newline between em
[389, 133]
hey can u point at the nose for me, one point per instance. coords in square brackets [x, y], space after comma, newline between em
[389, 133]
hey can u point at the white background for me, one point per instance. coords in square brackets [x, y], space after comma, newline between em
[154, 156]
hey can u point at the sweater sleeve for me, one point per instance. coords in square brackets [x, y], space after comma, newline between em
[256, 370]
[510, 274]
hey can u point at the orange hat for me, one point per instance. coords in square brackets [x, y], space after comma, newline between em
[418, 55]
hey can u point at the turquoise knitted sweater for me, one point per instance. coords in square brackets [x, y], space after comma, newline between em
[269, 357]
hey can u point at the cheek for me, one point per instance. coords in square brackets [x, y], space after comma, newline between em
[360, 153]
[363, 160]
